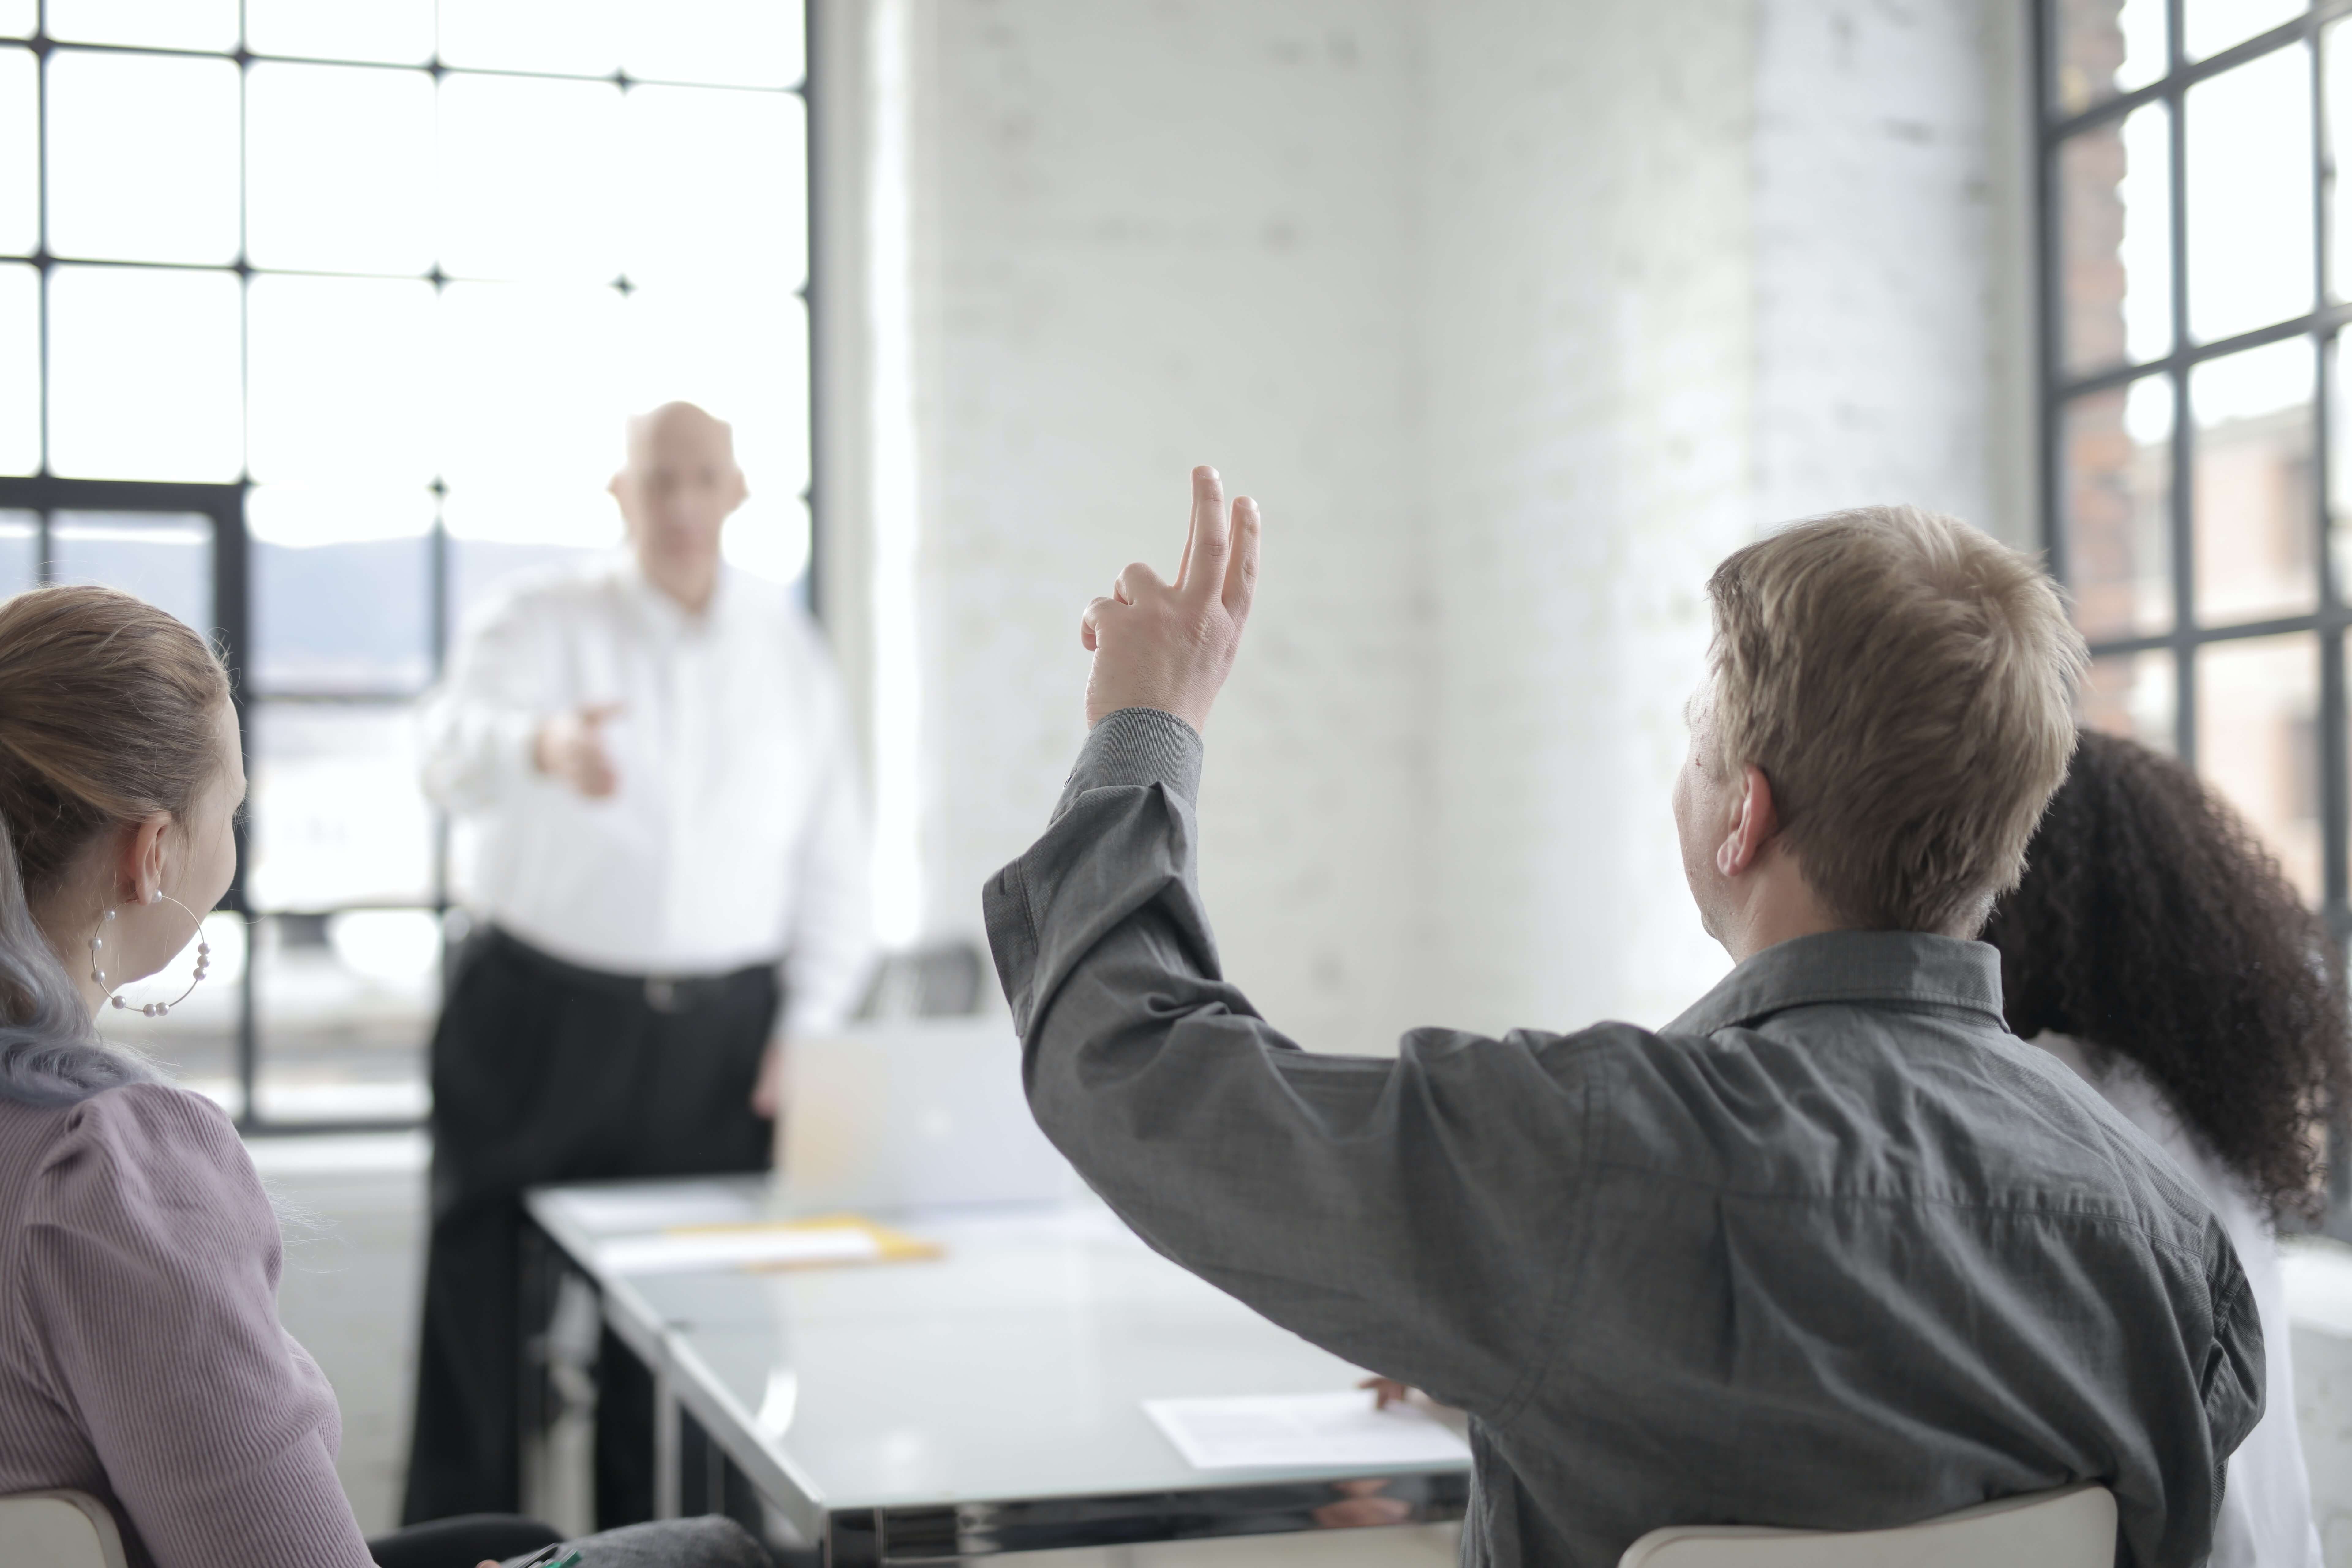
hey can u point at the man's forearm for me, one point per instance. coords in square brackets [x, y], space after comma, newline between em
[1306, 1186]
[1133, 747]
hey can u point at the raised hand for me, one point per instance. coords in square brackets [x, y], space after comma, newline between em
[571, 747]
[1169, 646]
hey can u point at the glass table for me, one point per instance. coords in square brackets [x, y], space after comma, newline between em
[988, 1400]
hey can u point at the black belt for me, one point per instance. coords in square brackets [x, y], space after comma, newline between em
[661, 993]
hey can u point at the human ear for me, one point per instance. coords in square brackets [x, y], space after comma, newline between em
[141, 872]
[1752, 827]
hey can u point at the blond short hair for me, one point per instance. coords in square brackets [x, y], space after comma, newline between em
[1908, 686]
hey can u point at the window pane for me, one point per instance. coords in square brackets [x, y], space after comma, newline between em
[20, 537]
[165, 558]
[756, 43]
[2249, 190]
[397, 31]
[338, 817]
[2103, 47]
[2336, 64]
[482, 560]
[339, 370]
[769, 537]
[344, 1004]
[197, 1041]
[2258, 742]
[2339, 469]
[529, 406]
[2134, 695]
[340, 161]
[20, 369]
[572, 37]
[161, 23]
[2116, 220]
[2116, 448]
[142, 157]
[18, 17]
[743, 355]
[342, 590]
[2209, 26]
[20, 163]
[525, 178]
[718, 183]
[144, 379]
[2254, 521]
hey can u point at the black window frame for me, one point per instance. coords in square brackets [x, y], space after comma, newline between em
[2330, 617]
[44, 494]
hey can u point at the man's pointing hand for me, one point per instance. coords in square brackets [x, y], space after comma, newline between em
[1169, 646]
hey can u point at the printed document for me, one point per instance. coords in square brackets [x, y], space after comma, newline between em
[1303, 1431]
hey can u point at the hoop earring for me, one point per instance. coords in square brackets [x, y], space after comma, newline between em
[151, 1009]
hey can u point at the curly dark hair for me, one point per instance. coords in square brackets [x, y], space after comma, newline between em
[2151, 923]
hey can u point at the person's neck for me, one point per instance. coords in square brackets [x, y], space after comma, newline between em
[690, 592]
[1777, 906]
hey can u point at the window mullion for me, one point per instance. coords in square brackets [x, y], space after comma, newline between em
[2184, 432]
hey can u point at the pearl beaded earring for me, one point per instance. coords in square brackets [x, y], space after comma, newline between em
[151, 1009]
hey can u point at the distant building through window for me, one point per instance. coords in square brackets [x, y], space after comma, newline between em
[318, 320]
[2194, 285]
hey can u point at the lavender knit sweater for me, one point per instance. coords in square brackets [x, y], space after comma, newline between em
[140, 1355]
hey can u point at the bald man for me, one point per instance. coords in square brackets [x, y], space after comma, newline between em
[656, 754]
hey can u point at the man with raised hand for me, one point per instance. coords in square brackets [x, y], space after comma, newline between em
[1830, 1250]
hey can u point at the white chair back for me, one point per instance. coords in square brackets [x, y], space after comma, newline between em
[2070, 1529]
[59, 1530]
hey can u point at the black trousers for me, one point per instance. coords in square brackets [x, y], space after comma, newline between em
[543, 1071]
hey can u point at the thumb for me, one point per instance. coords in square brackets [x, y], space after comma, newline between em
[599, 713]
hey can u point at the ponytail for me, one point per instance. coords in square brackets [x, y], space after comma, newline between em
[49, 1053]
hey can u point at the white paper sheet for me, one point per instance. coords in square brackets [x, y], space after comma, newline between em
[1303, 1431]
[678, 1252]
[644, 1209]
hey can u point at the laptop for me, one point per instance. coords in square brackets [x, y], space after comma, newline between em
[911, 1114]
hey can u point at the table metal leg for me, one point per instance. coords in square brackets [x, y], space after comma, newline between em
[667, 1452]
[536, 1275]
[852, 1539]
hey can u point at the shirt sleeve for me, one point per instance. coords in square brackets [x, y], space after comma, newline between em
[831, 947]
[1384, 1209]
[2230, 1381]
[151, 1263]
[480, 725]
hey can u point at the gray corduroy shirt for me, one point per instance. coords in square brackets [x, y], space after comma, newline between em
[1832, 1249]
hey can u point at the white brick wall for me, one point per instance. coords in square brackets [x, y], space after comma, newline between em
[1880, 182]
[1588, 335]
[1518, 315]
[1163, 235]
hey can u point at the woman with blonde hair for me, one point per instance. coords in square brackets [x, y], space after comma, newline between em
[140, 1355]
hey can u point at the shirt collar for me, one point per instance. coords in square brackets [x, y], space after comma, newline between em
[659, 610]
[1897, 966]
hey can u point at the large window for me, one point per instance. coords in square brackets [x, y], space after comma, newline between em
[2197, 253]
[318, 320]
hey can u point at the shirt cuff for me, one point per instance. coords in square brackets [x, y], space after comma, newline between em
[1137, 746]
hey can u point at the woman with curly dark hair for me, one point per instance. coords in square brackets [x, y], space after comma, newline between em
[2155, 947]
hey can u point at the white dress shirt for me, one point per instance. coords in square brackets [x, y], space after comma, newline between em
[2266, 1505]
[736, 836]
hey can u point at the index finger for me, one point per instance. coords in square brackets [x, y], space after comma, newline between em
[1241, 577]
[1203, 575]
[597, 712]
